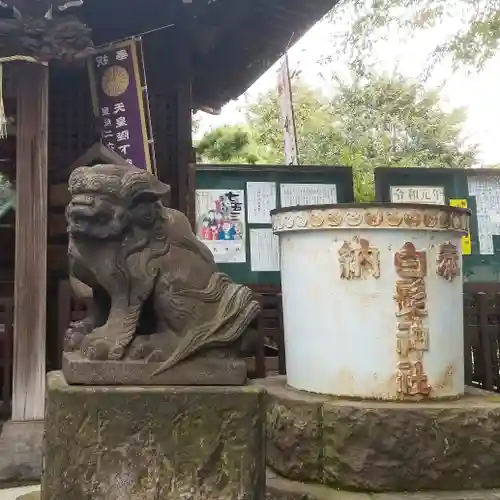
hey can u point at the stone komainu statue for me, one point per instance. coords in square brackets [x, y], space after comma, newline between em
[157, 293]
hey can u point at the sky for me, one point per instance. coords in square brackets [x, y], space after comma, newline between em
[479, 92]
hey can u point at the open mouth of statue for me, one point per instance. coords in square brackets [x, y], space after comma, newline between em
[94, 222]
[76, 227]
[86, 221]
[80, 216]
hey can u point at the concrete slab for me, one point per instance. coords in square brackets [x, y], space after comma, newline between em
[279, 488]
[14, 493]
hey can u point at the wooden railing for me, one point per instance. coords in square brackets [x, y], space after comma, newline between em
[482, 335]
[269, 355]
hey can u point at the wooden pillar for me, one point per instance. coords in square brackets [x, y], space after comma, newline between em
[184, 103]
[30, 289]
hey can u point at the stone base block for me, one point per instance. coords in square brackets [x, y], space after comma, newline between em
[140, 443]
[380, 447]
[279, 488]
[200, 371]
[21, 452]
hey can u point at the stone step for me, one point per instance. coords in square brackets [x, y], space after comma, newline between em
[34, 495]
[27, 493]
[279, 488]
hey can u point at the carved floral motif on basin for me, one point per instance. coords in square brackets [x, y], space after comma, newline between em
[432, 219]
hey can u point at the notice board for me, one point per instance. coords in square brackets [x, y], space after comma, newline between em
[477, 189]
[232, 205]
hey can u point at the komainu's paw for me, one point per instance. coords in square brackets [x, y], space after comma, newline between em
[140, 348]
[104, 343]
[96, 349]
[75, 334]
[98, 345]
[152, 348]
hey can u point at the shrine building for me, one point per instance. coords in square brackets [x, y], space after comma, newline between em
[191, 54]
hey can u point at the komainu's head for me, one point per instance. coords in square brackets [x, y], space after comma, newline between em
[107, 199]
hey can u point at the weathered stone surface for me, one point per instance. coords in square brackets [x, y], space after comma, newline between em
[199, 371]
[376, 446]
[139, 443]
[293, 427]
[21, 452]
[279, 488]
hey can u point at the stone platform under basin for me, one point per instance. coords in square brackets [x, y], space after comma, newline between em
[383, 446]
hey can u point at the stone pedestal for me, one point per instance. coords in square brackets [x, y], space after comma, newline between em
[144, 443]
[78, 370]
[372, 299]
[381, 447]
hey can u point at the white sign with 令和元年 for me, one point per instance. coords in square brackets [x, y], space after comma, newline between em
[431, 195]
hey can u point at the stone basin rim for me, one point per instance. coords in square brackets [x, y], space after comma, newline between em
[369, 216]
[371, 205]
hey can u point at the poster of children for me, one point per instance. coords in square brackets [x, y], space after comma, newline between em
[220, 223]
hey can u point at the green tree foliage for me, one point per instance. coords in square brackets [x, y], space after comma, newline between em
[474, 27]
[374, 122]
[317, 136]
[397, 123]
[229, 144]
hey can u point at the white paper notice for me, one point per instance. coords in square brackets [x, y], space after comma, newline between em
[307, 194]
[264, 250]
[472, 185]
[261, 199]
[486, 189]
[431, 195]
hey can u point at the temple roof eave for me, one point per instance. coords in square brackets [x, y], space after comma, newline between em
[234, 41]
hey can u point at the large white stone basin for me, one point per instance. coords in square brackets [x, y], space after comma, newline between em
[372, 299]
